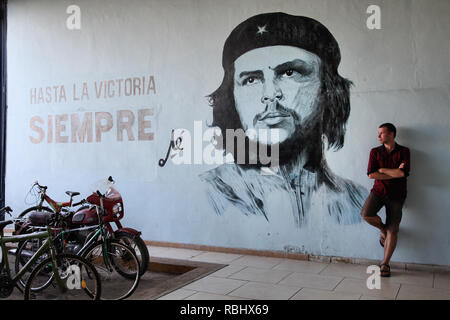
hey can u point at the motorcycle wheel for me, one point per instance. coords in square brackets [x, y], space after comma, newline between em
[138, 245]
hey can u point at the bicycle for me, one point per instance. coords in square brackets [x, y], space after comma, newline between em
[55, 206]
[39, 215]
[56, 276]
[116, 262]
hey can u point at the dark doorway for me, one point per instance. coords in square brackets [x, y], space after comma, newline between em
[3, 103]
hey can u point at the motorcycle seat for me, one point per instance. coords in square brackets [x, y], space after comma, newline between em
[72, 193]
[39, 218]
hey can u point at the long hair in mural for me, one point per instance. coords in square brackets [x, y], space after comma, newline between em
[281, 72]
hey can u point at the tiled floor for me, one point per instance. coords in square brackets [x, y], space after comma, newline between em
[255, 277]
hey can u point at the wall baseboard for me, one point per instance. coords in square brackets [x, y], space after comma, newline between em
[301, 256]
[266, 253]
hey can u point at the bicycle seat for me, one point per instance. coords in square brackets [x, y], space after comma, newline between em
[3, 224]
[72, 193]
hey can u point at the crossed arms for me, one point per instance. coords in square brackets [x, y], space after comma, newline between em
[385, 174]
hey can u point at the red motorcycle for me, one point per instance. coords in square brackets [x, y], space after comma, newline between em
[110, 202]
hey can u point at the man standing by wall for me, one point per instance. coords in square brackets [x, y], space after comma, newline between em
[389, 165]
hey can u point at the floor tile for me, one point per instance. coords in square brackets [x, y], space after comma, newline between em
[418, 278]
[156, 251]
[311, 280]
[364, 297]
[174, 253]
[410, 292]
[228, 271]
[300, 266]
[387, 289]
[179, 294]
[216, 257]
[257, 262]
[346, 270]
[264, 291]
[316, 294]
[260, 275]
[442, 280]
[211, 296]
[257, 277]
[215, 285]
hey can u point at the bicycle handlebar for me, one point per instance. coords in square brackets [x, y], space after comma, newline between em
[6, 209]
[39, 186]
[79, 203]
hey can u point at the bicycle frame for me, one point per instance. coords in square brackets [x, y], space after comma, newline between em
[47, 244]
[97, 233]
[92, 239]
[56, 206]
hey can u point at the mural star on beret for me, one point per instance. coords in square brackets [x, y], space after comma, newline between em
[262, 29]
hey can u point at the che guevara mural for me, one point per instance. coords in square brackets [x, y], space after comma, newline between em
[281, 73]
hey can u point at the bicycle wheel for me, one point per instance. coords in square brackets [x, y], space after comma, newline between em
[139, 247]
[25, 213]
[80, 279]
[118, 268]
[25, 250]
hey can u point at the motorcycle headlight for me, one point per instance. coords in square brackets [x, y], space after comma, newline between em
[117, 209]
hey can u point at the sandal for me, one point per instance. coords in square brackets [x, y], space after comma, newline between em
[385, 273]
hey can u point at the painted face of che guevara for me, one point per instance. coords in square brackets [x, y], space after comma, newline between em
[276, 87]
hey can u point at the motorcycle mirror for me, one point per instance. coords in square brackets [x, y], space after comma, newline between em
[110, 179]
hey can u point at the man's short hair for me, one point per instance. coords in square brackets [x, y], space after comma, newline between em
[390, 127]
[298, 31]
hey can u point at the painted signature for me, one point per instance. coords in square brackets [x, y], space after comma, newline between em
[173, 145]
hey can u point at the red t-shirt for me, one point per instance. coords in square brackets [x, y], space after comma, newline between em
[394, 188]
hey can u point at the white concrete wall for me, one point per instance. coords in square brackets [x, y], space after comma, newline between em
[401, 75]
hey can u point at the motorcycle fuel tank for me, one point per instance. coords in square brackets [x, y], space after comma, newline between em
[85, 216]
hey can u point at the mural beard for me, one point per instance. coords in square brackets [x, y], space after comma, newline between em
[305, 140]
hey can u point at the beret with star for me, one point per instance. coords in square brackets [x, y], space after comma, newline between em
[271, 29]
